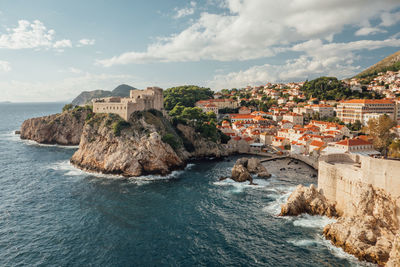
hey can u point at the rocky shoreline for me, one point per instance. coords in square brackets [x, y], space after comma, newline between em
[368, 232]
[146, 144]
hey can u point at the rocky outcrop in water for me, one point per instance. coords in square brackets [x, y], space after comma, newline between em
[369, 231]
[307, 200]
[244, 167]
[146, 144]
[63, 129]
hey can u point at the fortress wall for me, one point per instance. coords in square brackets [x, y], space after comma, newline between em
[109, 107]
[383, 174]
[337, 178]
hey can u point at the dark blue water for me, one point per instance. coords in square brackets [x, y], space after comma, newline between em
[53, 214]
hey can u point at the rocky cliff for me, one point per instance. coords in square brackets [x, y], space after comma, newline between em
[63, 129]
[368, 232]
[146, 144]
[307, 200]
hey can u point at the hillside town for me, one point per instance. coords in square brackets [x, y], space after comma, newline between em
[281, 118]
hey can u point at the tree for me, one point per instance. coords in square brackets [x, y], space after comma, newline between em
[68, 107]
[186, 96]
[394, 149]
[379, 130]
[330, 88]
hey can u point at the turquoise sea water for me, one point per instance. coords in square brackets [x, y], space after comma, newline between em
[52, 214]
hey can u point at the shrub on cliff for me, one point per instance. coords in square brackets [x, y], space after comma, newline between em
[171, 140]
[119, 126]
[67, 107]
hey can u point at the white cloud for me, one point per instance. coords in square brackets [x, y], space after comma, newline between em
[183, 12]
[389, 19]
[5, 66]
[318, 59]
[369, 31]
[84, 42]
[27, 35]
[252, 29]
[31, 35]
[62, 44]
[74, 70]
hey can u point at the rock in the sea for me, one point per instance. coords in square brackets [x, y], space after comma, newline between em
[110, 145]
[241, 174]
[244, 167]
[369, 231]
[307, 200]
[63, 129]
[255, 166]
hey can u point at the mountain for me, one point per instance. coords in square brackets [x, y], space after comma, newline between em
[391, 62]
[83, 98]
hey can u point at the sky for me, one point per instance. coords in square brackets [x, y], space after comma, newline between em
[54, 50]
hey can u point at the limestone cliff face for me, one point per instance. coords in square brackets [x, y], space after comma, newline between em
[307, 200]
[130, 149]
[394, 256]
[202, 147]
[63, 129]
[369, 231]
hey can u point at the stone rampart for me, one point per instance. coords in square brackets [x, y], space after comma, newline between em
[339, 173]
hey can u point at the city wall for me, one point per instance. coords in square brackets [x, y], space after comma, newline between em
[338, 175]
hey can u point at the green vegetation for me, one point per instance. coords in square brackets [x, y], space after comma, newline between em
[204, 123]
[119, 125]
[355, 127]
[390, 63]
[379, 130]
[394, 149]
[171, 140]
[330, 88]
[67, 107]
[186, 96]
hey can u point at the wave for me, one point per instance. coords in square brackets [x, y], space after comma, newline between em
[310, 221]
[70, 170]
[241, 187]
[283, 193]
[320, 241]
[11, 136]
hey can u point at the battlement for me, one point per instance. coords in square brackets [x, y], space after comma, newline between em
[139, 100]
[339, 174]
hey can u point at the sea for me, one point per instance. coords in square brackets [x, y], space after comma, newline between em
[52, 214]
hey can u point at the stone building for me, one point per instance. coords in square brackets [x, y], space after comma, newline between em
[139, 100]
[350, 111]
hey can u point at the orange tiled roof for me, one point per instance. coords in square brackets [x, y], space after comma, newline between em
[317, 143]
[353, 142]
[368, 101]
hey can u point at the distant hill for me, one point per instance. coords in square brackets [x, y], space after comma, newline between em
[391, 62]
[83, 98]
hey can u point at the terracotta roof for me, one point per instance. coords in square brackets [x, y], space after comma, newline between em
[317, 143]
[210, 106]
[353, 142]
[242, 116]
[368, 101]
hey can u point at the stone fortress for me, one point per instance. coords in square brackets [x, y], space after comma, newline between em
[339, 174]
[139, 100]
